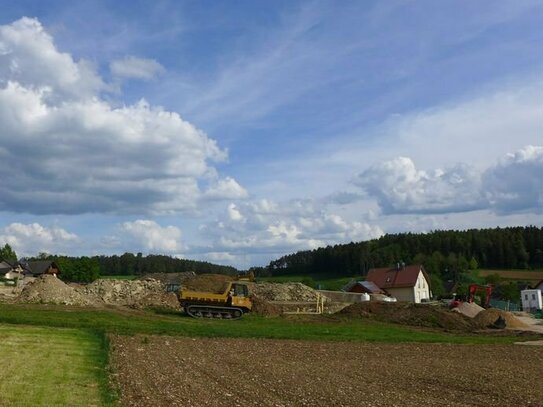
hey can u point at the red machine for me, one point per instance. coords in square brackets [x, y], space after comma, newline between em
[474, 288]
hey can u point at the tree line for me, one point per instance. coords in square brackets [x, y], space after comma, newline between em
[87, 269]
[446, 255]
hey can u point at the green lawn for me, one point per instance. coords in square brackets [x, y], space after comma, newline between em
[251, 326]
[43, 366]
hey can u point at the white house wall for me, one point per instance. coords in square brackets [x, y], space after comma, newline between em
[421, 289]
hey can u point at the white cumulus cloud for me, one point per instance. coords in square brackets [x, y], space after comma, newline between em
[150, 237]
[515, 184]
[64, 149]
[31, 239]
[400, 187]
[258, 230]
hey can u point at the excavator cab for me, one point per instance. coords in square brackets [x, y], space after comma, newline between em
[239, 296]
[239, 290]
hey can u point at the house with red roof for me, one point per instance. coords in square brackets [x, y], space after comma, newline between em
[406, 283]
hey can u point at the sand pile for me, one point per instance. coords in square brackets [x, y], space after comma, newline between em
[288, 292]
[50, 290]
[214, 283]
[468, 309]
[131, 293]
[488, 317]
[410, 314]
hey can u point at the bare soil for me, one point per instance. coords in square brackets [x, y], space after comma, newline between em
[166, 371]
[421, 315]
[214, 283]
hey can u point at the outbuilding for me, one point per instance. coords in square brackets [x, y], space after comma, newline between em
[531, 300]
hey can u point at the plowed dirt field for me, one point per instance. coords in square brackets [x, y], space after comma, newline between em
[166, 371]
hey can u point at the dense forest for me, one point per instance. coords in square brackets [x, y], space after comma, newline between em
[446, 255]
[85, 269]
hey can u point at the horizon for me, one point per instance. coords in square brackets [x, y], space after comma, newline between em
[239, 134]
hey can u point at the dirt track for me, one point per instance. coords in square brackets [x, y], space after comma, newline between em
[166, 371]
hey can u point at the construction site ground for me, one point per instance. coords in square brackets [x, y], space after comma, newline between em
[162, 370]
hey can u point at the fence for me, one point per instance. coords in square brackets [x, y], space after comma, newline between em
[505, 305]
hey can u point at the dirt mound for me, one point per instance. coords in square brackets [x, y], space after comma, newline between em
[265, 308]
[288, 292]
[169, 278]
[131, 293]
[50, 290]
[410, 314]
[468, 309]
[488, 317]
[214, 283]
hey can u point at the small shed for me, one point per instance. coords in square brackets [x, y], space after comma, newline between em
[531, 300]
[367, 287]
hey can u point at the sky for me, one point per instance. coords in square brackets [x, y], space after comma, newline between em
[236, 132]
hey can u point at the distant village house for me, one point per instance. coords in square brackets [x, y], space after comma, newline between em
[406, 283]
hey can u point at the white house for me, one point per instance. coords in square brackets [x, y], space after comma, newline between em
[406, 283]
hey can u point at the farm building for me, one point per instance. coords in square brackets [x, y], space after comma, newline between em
[406, 283]
[38, 268]
[531, 300]
[367, 287]
[10, 270]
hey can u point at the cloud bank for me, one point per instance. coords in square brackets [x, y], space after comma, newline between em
[65, 149]
[31, 239]
[514, 184]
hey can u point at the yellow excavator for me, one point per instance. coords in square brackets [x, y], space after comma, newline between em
[232, 303]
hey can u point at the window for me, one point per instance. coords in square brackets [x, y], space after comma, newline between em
[533, 296]
[525, 296]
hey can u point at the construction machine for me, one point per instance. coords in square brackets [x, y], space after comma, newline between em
[474, 288]
[232, 303]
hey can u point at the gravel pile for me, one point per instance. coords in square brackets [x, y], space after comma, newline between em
[169, 278]
[288, 292]
[49, 289]
[131, 293]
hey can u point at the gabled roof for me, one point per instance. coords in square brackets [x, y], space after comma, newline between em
[6, 266]
[539, 284]
[369, 286]
[40, 267]
[396, 277]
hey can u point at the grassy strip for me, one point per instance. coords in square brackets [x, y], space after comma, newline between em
[51, 366]
[251, 326]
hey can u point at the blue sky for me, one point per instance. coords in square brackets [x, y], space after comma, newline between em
[237, 132]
